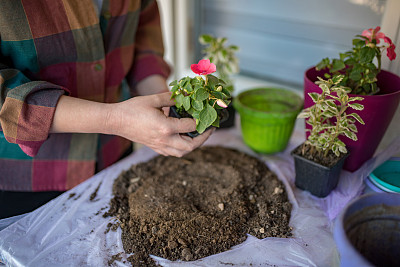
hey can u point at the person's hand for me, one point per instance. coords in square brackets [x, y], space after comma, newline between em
[141, 119]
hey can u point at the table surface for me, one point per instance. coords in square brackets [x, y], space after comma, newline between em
[71, 231]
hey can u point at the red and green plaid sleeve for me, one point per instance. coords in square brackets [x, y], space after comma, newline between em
[26, 109]
[49, 48]
[149, 49]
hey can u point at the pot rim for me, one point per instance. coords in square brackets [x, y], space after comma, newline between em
[306, 76]
[385, 198]
[297, 101]
[313, 162]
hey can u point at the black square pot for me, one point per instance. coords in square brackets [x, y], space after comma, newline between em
[230, 121]
[319, 180]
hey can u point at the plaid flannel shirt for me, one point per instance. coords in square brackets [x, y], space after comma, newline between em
[49, 48]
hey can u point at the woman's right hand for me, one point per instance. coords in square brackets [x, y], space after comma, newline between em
[142, 119]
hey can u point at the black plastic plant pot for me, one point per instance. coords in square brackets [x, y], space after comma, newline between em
[315, 178]
[230, 122]
[173, 112]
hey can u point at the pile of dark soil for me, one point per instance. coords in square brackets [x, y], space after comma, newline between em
[199, 205]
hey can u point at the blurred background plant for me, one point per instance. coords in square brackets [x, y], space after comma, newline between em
[223, 56]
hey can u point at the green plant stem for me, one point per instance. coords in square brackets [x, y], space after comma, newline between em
[378, 56]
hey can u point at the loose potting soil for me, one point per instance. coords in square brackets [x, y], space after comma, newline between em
[308, 152]
[198, 205]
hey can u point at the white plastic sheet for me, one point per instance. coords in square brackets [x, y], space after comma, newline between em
[70, 230]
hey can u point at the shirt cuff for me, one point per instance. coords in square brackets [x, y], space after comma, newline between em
[27, 122]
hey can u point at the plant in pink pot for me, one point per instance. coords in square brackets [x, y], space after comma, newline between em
[361, 67]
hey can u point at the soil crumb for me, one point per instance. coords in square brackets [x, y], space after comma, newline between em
[198, 205]
[94, 194]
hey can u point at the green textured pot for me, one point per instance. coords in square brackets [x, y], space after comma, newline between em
[267, 117]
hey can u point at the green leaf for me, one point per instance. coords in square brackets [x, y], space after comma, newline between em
[227, 92]
[205, 39]
[212, 80]
[234, 47]
[221, 82]
[358, 42]
[352, 128]
[343, 149]
[356, 106]
[337, 65]
[216, 122]
[218, 95]
[350, 135]
[355, 75]
[303, 115]
[331, 103]
[349, 62]
[186, 102]
[367, 54]
[201, 94]
[329, 114]
[335, 150]
[196, 114]
[224, 53]
[314, 97]
[356, 98]
[322, 64]
[173, 83]
[188, 87]
[197, 105]
[343, 56]
[201, 126]
[174, 89]
[179, 100]
[357, 117]
[337, 79]
[340, 143]
[208, 115]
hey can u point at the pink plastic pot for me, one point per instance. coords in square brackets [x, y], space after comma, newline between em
[377, 114]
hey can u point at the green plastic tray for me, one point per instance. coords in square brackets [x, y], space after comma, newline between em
[387, 175]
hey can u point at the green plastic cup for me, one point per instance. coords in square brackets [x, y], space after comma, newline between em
[267, 117]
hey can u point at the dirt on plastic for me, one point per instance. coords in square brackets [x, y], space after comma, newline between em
[199, 205]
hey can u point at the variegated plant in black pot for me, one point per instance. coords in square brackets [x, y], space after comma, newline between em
[319, 160]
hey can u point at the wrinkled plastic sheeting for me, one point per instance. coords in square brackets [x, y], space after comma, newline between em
[71, 231]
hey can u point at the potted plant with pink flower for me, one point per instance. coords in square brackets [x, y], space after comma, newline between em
[224, 57]
[363, 75]
[203, 97]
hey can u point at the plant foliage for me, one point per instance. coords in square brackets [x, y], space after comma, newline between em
[357, 65]
[329, 117]
[222, 56]
[201, 97]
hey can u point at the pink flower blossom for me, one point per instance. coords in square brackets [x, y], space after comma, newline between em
[221, 103]
[204, 67]
[390, 50]
[372, 34]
